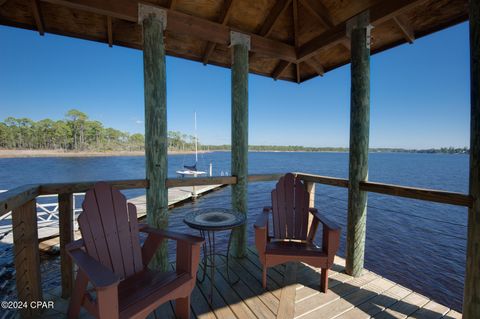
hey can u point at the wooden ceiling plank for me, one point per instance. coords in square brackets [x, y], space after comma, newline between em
[226, 9]
[181, 23]
[295, 22]
[379, 13]
[37, 15]
[273, 16]
[297, 69]
[404, 26]
[279, 69]
[319, 11]
[109, 31]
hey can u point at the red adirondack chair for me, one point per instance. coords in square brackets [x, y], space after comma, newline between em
[290, 240]
[111, 258]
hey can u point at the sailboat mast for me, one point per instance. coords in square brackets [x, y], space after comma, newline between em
[196, 140]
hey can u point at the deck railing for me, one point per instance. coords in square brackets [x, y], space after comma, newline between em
[21, 201]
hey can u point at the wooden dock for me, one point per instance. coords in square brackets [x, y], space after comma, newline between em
[48, 233]
[292, 292]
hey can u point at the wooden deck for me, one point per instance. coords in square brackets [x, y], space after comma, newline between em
[293, 293]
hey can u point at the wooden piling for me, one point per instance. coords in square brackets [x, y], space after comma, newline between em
[154, 21]
[65, 224]
[471, 295]
[27, 258]
[240, 46]
[359, 136]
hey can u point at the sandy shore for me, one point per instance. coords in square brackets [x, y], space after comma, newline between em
[60, 153]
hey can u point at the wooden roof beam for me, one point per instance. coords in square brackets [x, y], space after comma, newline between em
[223, 20]
[109, 31]
[37, 15]
[316, 66]
[295, 35]
[402, 22]
[379, 13]
[273, 16]
[279, 69]
[319, 11]
[181, 23]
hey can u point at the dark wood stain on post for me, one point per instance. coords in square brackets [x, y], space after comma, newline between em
[65, 208]
[471, 297]
[156, 130]
[240, 143]
[358, 158]
[27, 258]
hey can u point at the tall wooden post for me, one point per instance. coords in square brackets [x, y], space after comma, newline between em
[471, 294]
[65, 225]
[359, 31]
[154, 21]
[240, 44]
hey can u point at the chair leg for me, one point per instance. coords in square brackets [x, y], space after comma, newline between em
[78, 294]
[107, 303]
[324, 280]
[182, 307]
[264, 278]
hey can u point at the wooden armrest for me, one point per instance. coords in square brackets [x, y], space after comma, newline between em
[193, 240]
[262, 219]
[100, 276]
[324, 220]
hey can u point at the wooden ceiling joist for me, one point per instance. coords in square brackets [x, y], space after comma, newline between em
[171, 4]
[223, 20]
[109, 31]
[379, 13]
[181, 23]
[273, 16]
[406, 28]
[279, 69]
[37, 15]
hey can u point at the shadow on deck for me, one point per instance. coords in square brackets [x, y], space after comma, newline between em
[292, 292]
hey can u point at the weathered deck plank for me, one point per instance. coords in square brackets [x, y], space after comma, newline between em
[296, 296]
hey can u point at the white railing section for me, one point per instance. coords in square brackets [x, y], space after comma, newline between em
[47, 212]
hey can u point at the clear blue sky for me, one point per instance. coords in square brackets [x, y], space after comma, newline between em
[419, 92]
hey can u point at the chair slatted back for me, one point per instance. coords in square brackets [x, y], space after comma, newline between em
[109, 228]
[290, 201]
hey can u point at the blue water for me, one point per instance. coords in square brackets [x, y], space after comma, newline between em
[418, 244]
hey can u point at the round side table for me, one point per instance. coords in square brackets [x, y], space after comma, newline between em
[208, 222]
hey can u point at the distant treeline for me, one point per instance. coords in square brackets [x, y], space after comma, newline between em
[295, 148]
[77, 133]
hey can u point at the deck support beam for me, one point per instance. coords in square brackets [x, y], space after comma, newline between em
[154, 23]
[240, 44]
[471, 295]
[359, 31]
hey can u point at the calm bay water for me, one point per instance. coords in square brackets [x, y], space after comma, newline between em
[418, 244]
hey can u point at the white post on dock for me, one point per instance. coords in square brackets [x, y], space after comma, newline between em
[210, 169]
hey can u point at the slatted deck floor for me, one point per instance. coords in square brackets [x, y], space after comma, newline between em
[293, 293]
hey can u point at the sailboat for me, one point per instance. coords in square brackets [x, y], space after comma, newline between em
[191, 170]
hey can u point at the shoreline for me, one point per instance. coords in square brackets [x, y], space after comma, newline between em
[61, 153]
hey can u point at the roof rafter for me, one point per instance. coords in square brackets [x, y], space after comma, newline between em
[109, 31]
[181, 23]
[319, 11]
[273, 16]
[279, 69]
[226, 9]
[37, 15]
[316, 66]
[379, 13]
[406, 28]
[295, 34]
